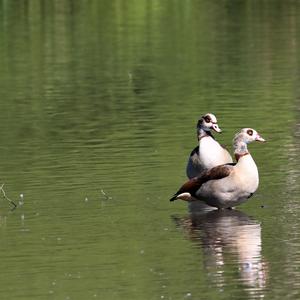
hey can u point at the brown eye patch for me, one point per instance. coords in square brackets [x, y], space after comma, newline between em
[250, 132]
[207, 119]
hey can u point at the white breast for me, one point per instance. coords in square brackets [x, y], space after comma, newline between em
[212, 154]
[234, 189]
[247, 173]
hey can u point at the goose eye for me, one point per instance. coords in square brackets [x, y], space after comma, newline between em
[250, 132]
[207, 119]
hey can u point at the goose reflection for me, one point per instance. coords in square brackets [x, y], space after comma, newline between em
[231, 242]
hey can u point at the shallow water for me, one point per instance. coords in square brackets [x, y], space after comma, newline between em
[99, 101]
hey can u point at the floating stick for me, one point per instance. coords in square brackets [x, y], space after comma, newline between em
[5, 197]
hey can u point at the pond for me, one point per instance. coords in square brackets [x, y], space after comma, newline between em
[99, 102]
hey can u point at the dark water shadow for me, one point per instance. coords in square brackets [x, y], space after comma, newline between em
[230, 243]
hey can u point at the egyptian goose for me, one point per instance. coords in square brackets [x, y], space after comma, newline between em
[227, 185]
[209, 153]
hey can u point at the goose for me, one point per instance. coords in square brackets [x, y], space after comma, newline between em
[226, 185]
[209, 153]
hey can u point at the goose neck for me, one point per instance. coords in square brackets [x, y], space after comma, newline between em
[203, 133]
[240, 149]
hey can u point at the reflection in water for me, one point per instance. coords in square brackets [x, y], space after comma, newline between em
[230, 241]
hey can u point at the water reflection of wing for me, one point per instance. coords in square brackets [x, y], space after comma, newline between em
[228, 238]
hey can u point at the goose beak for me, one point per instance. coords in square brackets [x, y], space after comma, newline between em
[259, 138]
[216, 128]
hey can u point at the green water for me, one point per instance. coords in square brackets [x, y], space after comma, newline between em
[99, 101]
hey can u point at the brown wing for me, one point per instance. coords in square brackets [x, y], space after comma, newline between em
[190, 186]
[195, 183]
[218, 172]
[195, 151]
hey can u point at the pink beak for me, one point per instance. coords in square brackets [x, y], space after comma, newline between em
[216, 128]
[259, 138]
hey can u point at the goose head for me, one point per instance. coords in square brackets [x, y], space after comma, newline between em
[248, 135]
[208, 122]
[242, 139]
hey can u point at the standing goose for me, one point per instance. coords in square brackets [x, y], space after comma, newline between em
[209, 153]
[226, 185]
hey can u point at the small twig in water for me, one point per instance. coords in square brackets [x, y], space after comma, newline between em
[104, 194]
[5, 197]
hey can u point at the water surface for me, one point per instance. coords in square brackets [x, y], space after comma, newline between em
[99, 101]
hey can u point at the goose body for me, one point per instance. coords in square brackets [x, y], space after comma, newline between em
[226, 185]
[209, 153]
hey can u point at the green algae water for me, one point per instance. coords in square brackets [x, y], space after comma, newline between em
[99, 102]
